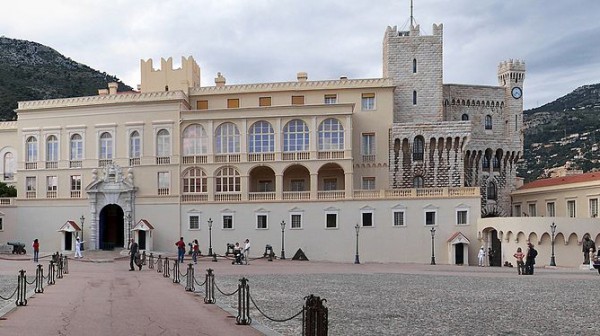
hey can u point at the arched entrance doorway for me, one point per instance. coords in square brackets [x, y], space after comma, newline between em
[459, 254]
[111, 227]
[496, 258]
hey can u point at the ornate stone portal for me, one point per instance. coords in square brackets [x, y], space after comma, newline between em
[109, 186]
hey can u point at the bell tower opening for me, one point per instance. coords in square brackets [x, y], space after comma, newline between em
[112, 226]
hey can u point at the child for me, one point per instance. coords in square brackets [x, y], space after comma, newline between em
[520, 265]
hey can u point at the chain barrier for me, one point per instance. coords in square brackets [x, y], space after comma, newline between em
[21, 289]
[220, 291]
[39, 279]
[271, 318]
[314, 317]
[176, 272]
[243, 316]
[51, 280]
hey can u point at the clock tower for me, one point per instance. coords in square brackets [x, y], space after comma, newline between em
[511, 75]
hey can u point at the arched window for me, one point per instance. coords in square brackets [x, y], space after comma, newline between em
[485, 162]
[488, 122]
[52, 149]
[414, 65]
[418, 182]
[76, 148]
[418, 149]
[496, 162]
[106, 146]
[32, 149]
[414, 97]
[9, 166]
[135, 146]
[227, 179]
[262, 138]
[464, 117]
[331, 135]
[228, 139]
[163, 143]
[195, 140]
[194, 181]
[295, 136]
[492, 193]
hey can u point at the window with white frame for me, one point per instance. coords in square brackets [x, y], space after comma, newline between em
[106, 146]
[262, 221]
[296, 220]
[9, 166]
[227, 220]
[368, 183]
[227, 139]
[462, 217]
[550, 209]
[75, 182]
[51, 183]
[295, 136]
[367, 101]
[164, 183]
[430, 217]
[135, 145]
[227, 180]
[331, 219]
[517, 210]
[367, 218]
[330, 99]
[399, 218]
[76, 147]
[571, 208]
[32, 149]
[52, 149]
[262, 138]
[368, 147]
[163, 143]
[593, 207]
[194, 222]
[331, 135]
[30, 183]
[194, 181]
[195, 140]
[532, 209]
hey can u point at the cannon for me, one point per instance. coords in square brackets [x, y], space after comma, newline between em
[18, 247]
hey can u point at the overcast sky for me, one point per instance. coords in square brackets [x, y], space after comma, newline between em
[253, 41]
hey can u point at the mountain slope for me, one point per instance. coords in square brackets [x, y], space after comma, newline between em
[31, 71]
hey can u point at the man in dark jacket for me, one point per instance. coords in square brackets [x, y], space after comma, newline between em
[133, 250]
[530, 259]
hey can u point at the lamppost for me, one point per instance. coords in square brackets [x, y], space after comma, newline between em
[553, 231]
[82, 219]
[210, 251]
[282, 240]
[356, 258]
[432, 246]
[128, 230]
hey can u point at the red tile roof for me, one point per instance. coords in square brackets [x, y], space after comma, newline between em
[549, 182]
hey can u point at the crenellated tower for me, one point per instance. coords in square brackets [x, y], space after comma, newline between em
[511, 75]
[168, 79]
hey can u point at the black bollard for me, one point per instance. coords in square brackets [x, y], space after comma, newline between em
[243, 317]
[209, 297]
[159, 263]
[166, 270]
[21, 289]
[189, 280]
[176, 273]
[151, 261]
[39, 279]
[65, 265]
[51, 280]
[314, 317]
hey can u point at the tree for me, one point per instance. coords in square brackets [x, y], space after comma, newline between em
[7, 191]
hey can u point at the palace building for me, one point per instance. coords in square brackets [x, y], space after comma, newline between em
[317, 165]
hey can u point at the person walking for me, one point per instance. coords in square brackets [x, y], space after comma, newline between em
[481, 257]
[180, 249]
[78, 248]
[519, 255]
[36, 250]
[133, 251]
[530, 259]
[195, 251]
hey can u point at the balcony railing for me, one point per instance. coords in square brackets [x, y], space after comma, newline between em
[163, 160]
[30, 165]
[6, 201]
[331, 155]
[296, 156]
[194, 198]
[195, 159]
[51, 164]
[368, 158]
[50, 194]
[225, 158]
[134, 161]
[75, 193]
[296, 195]
[259, 157]
[228, 197]
[163, 191]
[9, 176]
[75, 164]
[30, 194]
[331, 194]
[104, 162]
[261, 196]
